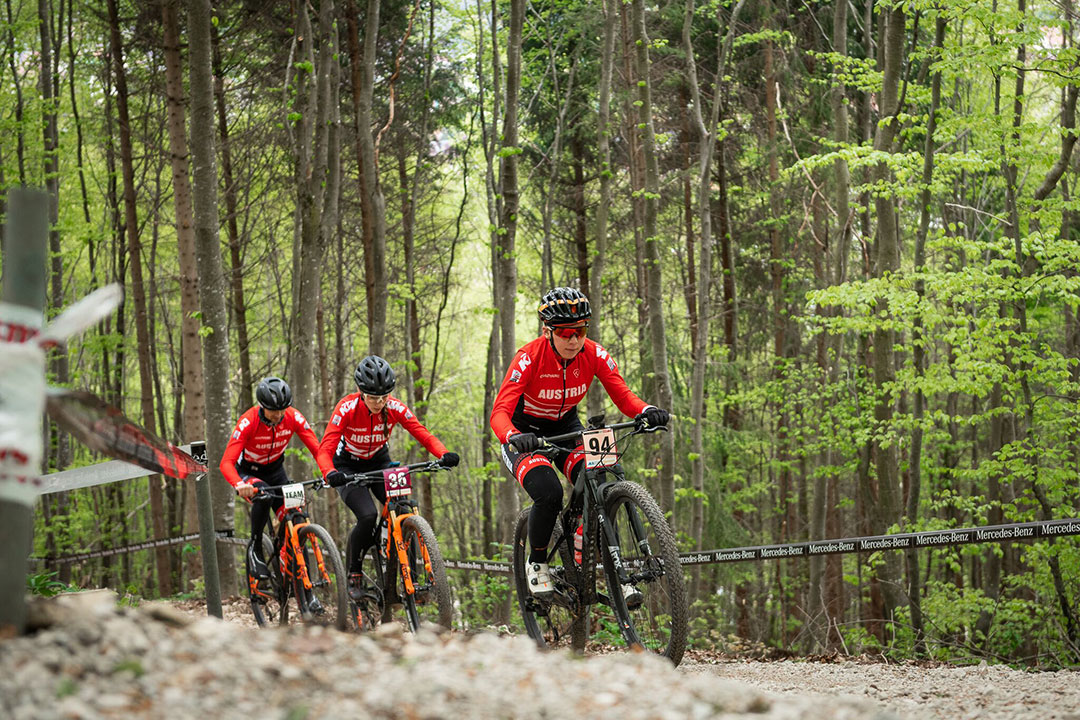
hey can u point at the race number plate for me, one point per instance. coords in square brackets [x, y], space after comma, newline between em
[293, 494]
[600, 448]
[397, 482]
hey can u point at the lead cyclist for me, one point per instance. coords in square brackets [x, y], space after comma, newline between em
[538, 397]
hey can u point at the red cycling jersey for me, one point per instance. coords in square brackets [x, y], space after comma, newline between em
[353, 429]
[257, 443]
[541, 385]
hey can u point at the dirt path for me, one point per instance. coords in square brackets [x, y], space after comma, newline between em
[913, 692]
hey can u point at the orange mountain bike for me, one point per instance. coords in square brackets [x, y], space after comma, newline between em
[304, 564]
[403, 566]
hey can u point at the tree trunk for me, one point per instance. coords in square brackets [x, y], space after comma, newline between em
[138, 292]
[194, 400]
[911, 556]
[244, 397]
[653, 273]
[492, 521]
[706, 150]
[20, 137]
[59, 448]
[596, 285]
[312, 109]
[212, 284]
[507, 263]
[888, 506]
[372, 202]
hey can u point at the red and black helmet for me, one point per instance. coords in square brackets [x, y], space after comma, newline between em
[564, 306]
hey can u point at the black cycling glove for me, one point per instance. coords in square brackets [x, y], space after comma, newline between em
[336, 478]
[524, 442]
[653, 417]
[449, 460]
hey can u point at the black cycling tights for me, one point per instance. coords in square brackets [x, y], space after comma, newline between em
[546, 490]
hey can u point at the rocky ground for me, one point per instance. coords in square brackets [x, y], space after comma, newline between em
[89, 658]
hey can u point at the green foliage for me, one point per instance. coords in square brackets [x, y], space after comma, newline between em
[45, 584]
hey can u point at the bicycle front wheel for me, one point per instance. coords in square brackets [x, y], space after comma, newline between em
[430, 599]
[327, 600]
[556, 621]
[649, 599]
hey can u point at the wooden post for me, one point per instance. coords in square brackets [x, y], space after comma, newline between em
[22, 393]
[207, 536]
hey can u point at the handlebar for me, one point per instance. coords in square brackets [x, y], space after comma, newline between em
[264, 493]
[376, 476]
[552, 439]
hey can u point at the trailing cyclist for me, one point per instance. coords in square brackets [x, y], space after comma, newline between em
[539, 395]
[355, 441]
[255, 457]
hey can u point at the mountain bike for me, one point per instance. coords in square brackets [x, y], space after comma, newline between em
[402, 566]
[304, 564]
[617, 524]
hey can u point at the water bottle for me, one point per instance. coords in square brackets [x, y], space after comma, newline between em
[579, 540]
[382, 540]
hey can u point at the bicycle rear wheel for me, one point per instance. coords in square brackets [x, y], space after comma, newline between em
[430, 599]
[327, 600]
[555, 622]
[267, 597]
[650, 560]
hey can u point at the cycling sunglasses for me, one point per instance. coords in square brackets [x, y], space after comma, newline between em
[567, 333]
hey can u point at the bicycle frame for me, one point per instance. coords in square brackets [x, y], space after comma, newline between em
[394, 512]
[287, 541]
[589, 493]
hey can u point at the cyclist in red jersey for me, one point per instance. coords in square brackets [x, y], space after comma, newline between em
[255, 456]
[355, 441]
[539, 395]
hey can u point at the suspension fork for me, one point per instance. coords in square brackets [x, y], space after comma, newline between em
[396, 536]
[292, 532]
[607, 533]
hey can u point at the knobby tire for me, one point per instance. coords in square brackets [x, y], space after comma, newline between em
[432, 601]
[660, 624]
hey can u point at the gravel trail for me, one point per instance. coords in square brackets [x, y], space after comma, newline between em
[89, 659]
[913, 692]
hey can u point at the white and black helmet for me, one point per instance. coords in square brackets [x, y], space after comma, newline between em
[374, 376]
[273, 393]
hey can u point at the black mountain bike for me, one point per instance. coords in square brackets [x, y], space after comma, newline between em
[623, 530]
[304, 564]
[403, 565]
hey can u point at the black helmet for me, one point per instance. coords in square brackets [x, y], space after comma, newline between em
[564, 306]
[274, 393]
[374, 376]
